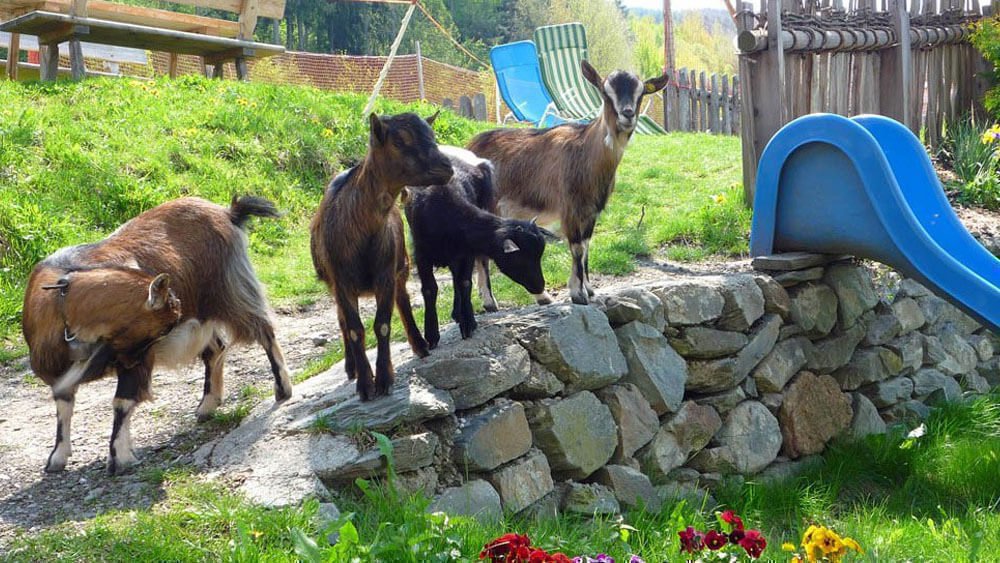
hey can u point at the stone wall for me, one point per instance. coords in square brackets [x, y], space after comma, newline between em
[655, 391]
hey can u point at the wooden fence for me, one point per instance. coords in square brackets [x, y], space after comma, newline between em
[909, 60]
[694, 102]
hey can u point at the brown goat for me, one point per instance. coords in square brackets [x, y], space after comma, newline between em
[166, 287]
[358, 245]
[567, 173]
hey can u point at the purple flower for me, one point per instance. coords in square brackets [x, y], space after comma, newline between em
[635, 559]
[604, 558]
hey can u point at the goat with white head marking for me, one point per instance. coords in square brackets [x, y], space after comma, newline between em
[452, 227]
[165, 288]
[357, 240]
[567, 173]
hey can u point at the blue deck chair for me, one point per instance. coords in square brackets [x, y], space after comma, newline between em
[520, 82]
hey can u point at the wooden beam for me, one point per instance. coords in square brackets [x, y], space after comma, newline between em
[248, 19]
[13, 50]
[172, 65]
[896, 74]
[49, 61]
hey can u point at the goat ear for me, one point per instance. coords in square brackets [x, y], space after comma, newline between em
[591, 74]
[430, 120]
[656, 84]
[378, 130]
[509, 246]
[159, 292]
[552, 237]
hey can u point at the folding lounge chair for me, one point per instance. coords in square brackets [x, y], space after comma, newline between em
[520, 82]
[560, 50]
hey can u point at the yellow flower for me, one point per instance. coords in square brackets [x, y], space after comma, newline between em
[719, 198]
[327, 133]
[256, 534]
[991, 134]
[242, 101]
[787, 546]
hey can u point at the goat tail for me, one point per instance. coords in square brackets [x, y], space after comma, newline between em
[243, 207]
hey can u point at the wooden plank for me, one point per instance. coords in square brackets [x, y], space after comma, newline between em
[702, 103]
[932, 124]
[49, 62]
[735, 106]
[803, 97]
[265, 8]
[172, 65]
[684, 101]
[78, 8]
[248, 18]
[896, 74]
[817, 83]
[727, 116]
[152, 17]
[90, 50]
[76, 64]
[918, 90]
[128, 35]
[714, 112]
[13, 51]
[840, 81]
[695, 99]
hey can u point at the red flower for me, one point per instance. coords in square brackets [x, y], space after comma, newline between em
[753, 543]
[736, 535]
[507, 548]
[730, 517]
[691, 540]
[715, 541]
[559, 558]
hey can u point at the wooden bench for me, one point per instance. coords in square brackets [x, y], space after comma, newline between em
[216, 40]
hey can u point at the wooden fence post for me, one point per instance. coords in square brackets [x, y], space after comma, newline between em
[13, 51]
[767, 109]
[683, 101]
[897, 69]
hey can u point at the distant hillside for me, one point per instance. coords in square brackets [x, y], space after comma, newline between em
[711, 16]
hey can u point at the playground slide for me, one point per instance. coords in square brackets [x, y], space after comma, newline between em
[865, 186]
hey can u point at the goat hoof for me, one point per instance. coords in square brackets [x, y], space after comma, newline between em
[55, 467]
[203, 417]
[579, 298]
[121, 465]
[491, 308]
[282, 394]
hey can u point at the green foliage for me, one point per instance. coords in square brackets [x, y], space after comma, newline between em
[79, 159]
[608, 38]
[971, 150]
[703, 47]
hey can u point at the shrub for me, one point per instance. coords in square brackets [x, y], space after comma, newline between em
[973, 151]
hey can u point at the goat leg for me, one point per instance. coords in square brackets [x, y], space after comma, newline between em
[127, 394]
[282, 382]
[354, 343]
[577, 275]
[64, 418]
[213, 356]
[429, 289]
[461, 312]
[385, 297]
[349, 366]
[586, 267]
[485, 288]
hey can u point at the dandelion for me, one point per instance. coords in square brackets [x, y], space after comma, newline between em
[327, 133]
[719, 199]
[243, 102]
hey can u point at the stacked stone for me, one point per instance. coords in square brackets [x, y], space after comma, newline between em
[655, 392]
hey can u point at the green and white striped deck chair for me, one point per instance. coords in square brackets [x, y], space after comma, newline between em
[560, 50]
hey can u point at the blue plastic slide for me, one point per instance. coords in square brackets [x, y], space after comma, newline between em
[865, 186]
[520, 81]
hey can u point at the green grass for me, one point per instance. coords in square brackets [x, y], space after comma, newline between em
[79, 159]
[933, 498]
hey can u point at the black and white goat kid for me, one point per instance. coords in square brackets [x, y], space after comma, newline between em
[451, 227]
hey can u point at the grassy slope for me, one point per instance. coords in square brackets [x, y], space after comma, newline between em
[933, 498]
[77, 160]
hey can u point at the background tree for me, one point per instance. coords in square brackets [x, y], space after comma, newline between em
[606, 29]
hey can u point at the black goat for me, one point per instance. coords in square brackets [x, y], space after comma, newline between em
[452, 227]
